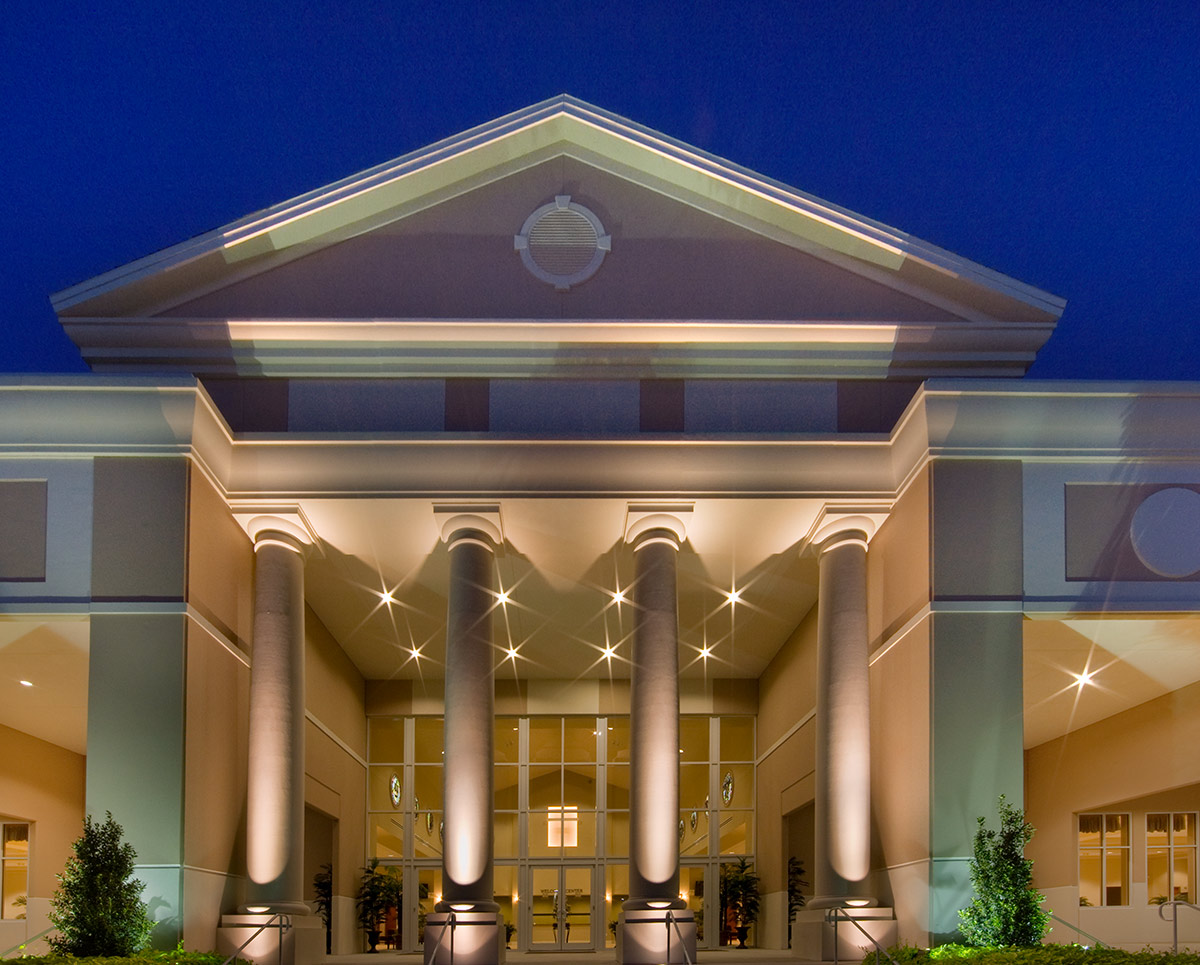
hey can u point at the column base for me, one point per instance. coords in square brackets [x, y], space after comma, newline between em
[655, 936]
[840, 901]
[465, 938]
[813, 937]
[300, 942]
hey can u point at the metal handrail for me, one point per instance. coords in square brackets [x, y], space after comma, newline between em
[453, 922]
[679, 934]
[285, 924]
[1075, 928]
[1174, 919]
[27, 941]
[836, 913]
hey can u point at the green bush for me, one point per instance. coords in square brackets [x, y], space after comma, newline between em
[1006, 910]
[1035, 955]
[98, 908]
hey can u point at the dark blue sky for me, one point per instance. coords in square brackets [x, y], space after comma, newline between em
[1055, 141]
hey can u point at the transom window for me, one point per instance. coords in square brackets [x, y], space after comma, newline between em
[1171, 856]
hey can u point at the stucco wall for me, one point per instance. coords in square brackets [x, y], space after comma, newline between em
[335, 766]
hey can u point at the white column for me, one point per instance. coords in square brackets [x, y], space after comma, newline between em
[843, 725]
[275, 786]
[654, 924]
[654, 724]
[465, 927]
[469, 725]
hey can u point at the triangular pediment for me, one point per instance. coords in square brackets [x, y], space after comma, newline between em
[413, 265]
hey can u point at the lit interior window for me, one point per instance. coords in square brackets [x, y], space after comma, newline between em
[562, 827]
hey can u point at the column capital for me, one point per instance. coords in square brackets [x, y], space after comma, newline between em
[282, 525]
[836, 524]
[647, 523]
[478, 523]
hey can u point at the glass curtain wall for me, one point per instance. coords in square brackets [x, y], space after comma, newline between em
[561, 820]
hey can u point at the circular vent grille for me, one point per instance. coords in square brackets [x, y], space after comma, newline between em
[562, 243]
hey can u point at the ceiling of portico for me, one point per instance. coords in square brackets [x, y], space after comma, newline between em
[1128, 661]
[562, 562]
[52, 656]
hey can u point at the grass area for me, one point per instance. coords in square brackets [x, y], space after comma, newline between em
[1036, 955]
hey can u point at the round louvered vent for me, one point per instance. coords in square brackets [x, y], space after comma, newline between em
[562, 243]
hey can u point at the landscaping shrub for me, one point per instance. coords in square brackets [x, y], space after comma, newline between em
[98, 908]
[1006, 910]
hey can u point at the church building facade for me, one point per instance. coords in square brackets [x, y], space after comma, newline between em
[560, 515]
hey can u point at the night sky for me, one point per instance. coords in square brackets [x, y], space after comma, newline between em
[1055, 141]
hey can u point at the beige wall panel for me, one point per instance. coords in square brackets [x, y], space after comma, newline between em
[1146, 750]
[42, 783]
[218, 702]
[330, 765]
[735, 696]
[392, 698]
[139, 528]
[898, 564]
[205, 897]
[789, 763]
[614, 697]
[787, 689]
[22, 529]
[335, 691]
[900, 750]
[977, 542]
[220, 563]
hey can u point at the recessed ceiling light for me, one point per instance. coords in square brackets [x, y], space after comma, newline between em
[1083, 679]
[503, 597]
[734, 595]
[26, 683]
[386, 596]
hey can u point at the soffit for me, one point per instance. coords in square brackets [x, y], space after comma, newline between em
[561, 562]
[53, 656]
[1130, 660]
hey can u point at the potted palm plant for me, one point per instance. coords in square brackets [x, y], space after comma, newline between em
[739, 898]
[379, 891]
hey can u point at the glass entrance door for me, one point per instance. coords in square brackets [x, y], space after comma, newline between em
[561, 908]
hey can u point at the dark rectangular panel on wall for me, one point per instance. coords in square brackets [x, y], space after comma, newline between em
[467, 405]
[662, 405]
[872, 405]
[977, 530]
[251, 405]
[22, 530]
[139, 528]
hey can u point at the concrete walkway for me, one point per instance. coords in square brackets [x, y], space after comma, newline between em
[607, 956]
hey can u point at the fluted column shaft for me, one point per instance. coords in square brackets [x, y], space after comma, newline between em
[275, 785]
[654, 726]
[843, 723]
[469, 726]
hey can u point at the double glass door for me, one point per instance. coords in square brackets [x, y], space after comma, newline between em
[561, 907]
